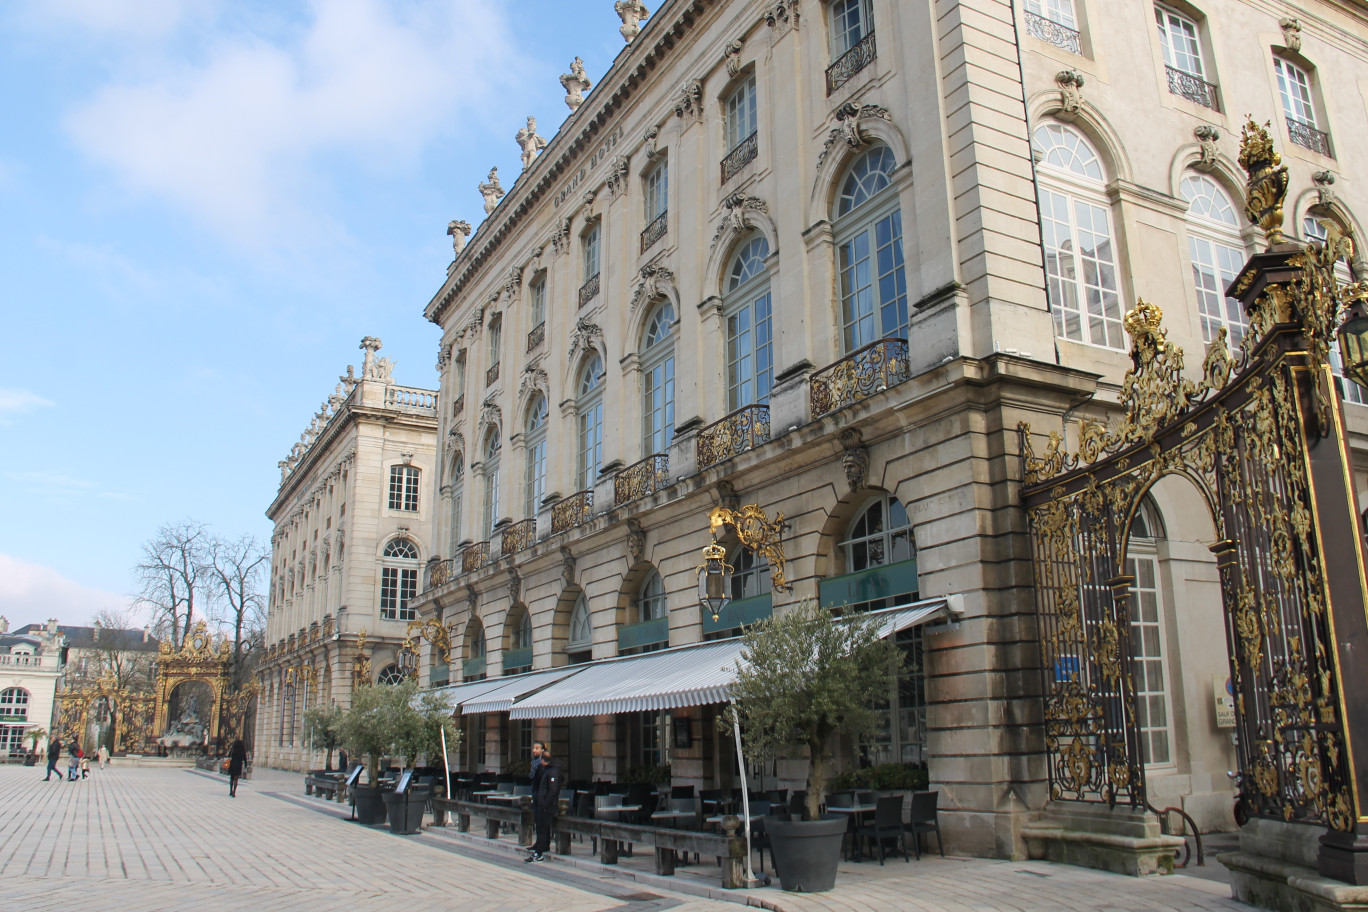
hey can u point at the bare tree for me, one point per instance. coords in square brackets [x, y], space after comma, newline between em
[235, 570]
[173, 578]
[118, 651]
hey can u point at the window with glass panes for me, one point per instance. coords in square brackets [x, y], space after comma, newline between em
[581, 631]
[1075, 224]
[1058, 11]
[657, 187]
[869, 252]
[1294, 87]
[399, 580]
[457, 497]
[589, 406]
[403, 488]
[900, 736]
[1217, 254]
[538, 295]
[746, 304]
[850, 22]
[651, 603]
[750, 574]
[534, 479]
[741, 120]
[491, 483]
[658, 378]
[1147, 640]
[1178, 37]
[590, 246]
[881, 534]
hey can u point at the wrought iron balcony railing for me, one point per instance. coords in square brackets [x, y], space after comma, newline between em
[589, 290]
[439, 573]
[458, 406]
[1308, 137]
[574, 510]
[743, 154]
[653, 232]
[537, 336]
[640, 479]
[742, 430]
[518, 537]
[492, 375]
[860, 375]
[475, 556]
[1193, 88]
[1051, 32]
[860, 55]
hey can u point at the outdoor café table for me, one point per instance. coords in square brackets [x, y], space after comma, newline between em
[485, 796]
[857, 812]
[616, 809]
[505, 798]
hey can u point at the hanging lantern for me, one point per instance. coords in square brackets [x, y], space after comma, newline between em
[1353, 334]
[714, 580]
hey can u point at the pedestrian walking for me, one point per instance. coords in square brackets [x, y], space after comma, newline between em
[546, 788]
[85, 766]
[73, 761]
[237, 760]
[102, 754]
[54, 752]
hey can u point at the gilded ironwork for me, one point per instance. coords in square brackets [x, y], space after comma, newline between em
[860, 55]
[757, 533]
[1240, 433]
[518, 537]
[640, 479]
[441, 572]
[742, 430]
[361, 666]
[435, 632]
[492, 374]
[475, 556]
[1266, 187]
[869, 370]
[574, 510]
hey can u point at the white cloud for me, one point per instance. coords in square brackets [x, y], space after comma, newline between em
[62, 487]
[19, 401]
[124, 18]
[242, 135]
[31, 593]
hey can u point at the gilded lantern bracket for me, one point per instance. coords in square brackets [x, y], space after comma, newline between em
[757, 533]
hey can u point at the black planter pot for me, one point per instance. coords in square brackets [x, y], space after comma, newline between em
[370, 804]
[406, 810]
[806, 852]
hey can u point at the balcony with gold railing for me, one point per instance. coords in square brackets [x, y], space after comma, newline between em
[573, 511]
[640, 479]
[742, 430]
[653, 232]
[537, 336]
[439, 573]
[860, 55]
[859, 375]
[589, 290]
[518, 537]
[492, 375]
[475, 556]
[741, 155]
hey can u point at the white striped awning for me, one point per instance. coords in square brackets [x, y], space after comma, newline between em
[454, 694]
[695, 675]
[514, 688]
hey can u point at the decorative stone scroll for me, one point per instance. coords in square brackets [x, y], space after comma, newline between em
[1070, 92]
[654, 280]
[849, 119]
[690, 103]
[731, 57]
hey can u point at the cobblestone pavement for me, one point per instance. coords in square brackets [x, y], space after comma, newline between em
[172, 839]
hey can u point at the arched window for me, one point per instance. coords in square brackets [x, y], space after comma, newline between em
[457, 498]
[651, 603]
[399, 580]
[589, 407]
[881, 534]
[522, 636]
[869, 252]
[474, 666]
[750, 574]
[581, 638]
[1147, 635]
[1075, 223]
[14, 703]
[651, 630]
[658, 378]
[391, 674]
[491, 481]
[519, 655]
[534, 478]
[1217, 254]
[746, 305]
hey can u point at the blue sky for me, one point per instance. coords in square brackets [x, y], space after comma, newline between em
[203, 207]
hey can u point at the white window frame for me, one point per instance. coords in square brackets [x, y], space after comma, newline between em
[590, 244]
[1294, 89]
[581, 636]
[870, 252]
[748, 311]
[534, 477]
[404, 488]
[658, 379]
[742, 114]
[652, 601]
[399, 580]
[1216, 252]
[887, 544]
[491, 482]
[851, 22]
[538, 295]
[1060, 12]
[1149, 657]
[589, 412]
[657, 191]
[1181, 40]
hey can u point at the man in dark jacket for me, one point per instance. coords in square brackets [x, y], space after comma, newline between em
[546, 789]
[54, 753]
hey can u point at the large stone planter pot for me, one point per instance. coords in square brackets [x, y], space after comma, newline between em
[806, 852]
[406, 810]
[370, 805]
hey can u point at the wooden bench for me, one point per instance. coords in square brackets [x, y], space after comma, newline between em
[325, 784]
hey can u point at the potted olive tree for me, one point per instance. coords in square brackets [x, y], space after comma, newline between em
[805, 679]
[419, 728]
[369, 731]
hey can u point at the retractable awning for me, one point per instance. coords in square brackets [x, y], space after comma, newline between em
[514, 688]
[455, 694]
[695, 675]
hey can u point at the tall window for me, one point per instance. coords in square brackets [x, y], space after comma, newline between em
[475, 640]
[491, 481]
[657, 191]
[1217, 254]
[522, 637]
[869, 252]
[403, 488]
[651, 599]
[850, 22]
[1314, 230]
[1075, 224]
[1183, 57]
[495, 334]
[399, 580]
[590, 244]
[750, 361]
[581, 637]
[589, 406]
[741, 121]
[538, 332]
[1294, 87]
[534, 481]
[457, 497]
[658, 378]
[1147, 638]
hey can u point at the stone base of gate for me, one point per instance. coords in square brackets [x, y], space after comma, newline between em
[1276, 868]
[1120, 840]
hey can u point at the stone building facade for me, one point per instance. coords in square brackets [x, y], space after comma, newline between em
[823, 257]
[353, 523]
[31, 663]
